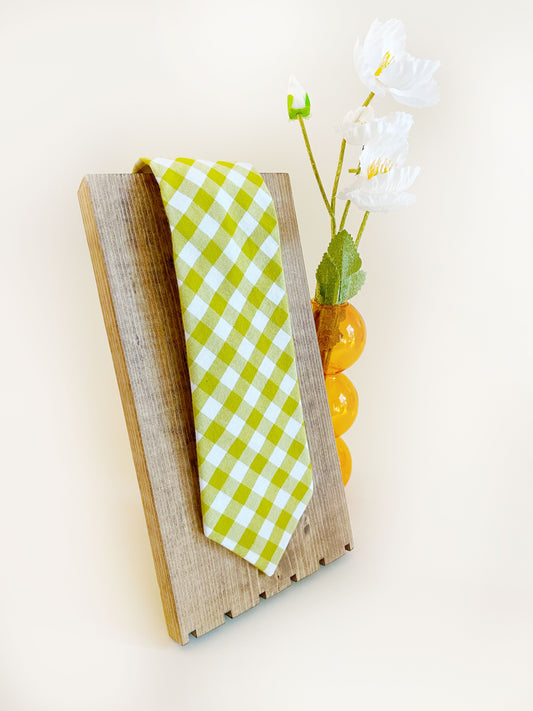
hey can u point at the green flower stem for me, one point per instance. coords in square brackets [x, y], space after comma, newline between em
[362, 228]
[356, 171]
[313, 166]
[336, 185]
[344, 214]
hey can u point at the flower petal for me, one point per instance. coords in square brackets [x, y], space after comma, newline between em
[381, 202]
[408, 72]
[385, 154]
[366, 70]
[420, 96]
[297, 92]
[395, 180]
[386, 138]
[352, 125]
[411, 82]
[354, 187]
[382, 38]
[393, 125]
[363, 114]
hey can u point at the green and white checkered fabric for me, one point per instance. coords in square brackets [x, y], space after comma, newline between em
[253, 456]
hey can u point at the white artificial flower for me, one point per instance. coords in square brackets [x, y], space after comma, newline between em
[297, 92]
[383, 65]
[383, 179]
[355, 119]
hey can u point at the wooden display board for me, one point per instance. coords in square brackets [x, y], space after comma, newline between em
[131, 250]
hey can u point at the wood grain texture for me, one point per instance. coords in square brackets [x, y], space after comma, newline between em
[131, 250]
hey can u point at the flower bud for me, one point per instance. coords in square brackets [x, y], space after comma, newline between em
[298, 103]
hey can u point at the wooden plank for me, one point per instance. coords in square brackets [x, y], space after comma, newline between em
[131, 250]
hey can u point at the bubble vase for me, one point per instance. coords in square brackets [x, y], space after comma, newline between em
[341, 335]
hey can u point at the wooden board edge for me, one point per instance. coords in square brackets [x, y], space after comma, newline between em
[126, 394]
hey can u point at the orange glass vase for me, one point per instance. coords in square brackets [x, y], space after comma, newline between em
[341, 334]
[343, 402]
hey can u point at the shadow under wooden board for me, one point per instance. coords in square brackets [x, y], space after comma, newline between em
[131, 250]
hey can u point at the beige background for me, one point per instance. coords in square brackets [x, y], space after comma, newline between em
[433, 610]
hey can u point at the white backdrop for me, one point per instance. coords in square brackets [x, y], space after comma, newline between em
[433, 609]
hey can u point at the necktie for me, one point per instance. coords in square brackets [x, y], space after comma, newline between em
[253, 457]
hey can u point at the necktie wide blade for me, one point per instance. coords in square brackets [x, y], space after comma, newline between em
[253, 458]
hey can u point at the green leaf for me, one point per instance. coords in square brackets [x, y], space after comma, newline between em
[344, 254]
[327, 281]
[294, 113]
[350, 286]
[339, 276]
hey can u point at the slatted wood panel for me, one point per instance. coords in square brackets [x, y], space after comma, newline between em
[131, 250]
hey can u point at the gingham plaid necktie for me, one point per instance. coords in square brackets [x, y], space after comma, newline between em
[253, 458]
